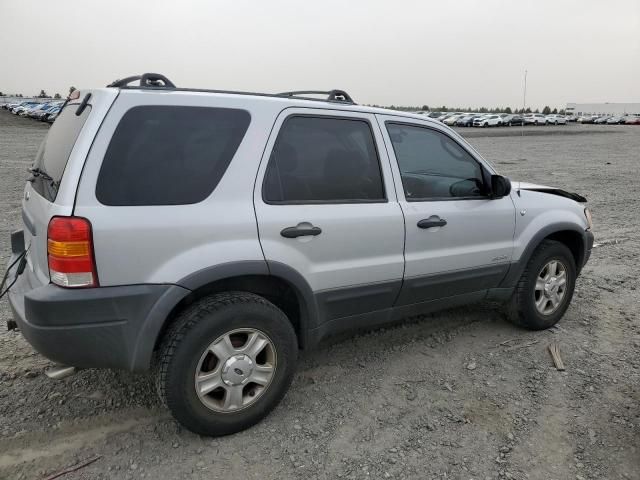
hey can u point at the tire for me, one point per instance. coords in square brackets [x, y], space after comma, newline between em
[186, 349]
[522, 309]
[510, 124]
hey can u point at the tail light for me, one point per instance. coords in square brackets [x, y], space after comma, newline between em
[70, 251]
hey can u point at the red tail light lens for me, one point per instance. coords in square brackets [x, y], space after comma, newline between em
[70, 251]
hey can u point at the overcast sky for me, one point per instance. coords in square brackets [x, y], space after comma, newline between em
[456, 53]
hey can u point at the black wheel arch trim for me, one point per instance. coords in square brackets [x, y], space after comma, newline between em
[159, 314]
[268, 268]
[518, 266]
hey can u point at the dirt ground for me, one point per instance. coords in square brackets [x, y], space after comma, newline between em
[458, 395]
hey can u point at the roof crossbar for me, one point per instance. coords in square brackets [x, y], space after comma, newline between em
[332, 95]
[146, 80]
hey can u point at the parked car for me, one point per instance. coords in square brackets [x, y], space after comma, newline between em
[451, 121]
[443, 117]
[512, 119]
[602, 119]
[220, 311]
[22, 106]
[585, 119]
[44, 115]
[491, 120]
[467, 120]
[36, 110]
[27, 111]
[51, 117]
[534, 119]
[571, 118]
[615, 120]
[555, 119]
[632, 120]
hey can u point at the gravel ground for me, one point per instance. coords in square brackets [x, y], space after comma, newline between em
[458, 395]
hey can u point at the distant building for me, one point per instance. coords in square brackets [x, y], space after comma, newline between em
[604, 108]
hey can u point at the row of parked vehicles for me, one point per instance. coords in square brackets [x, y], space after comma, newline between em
[610, 119]
[462, 119]
[43, 111]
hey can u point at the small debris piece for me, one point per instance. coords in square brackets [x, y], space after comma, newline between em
[554, 349]
[611, 241]
[73, 468]
[471, 366]
[522, 345]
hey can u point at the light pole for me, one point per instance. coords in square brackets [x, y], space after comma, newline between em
[524, 95]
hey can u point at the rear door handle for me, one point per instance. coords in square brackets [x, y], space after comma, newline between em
[428, 223]
[294, 232]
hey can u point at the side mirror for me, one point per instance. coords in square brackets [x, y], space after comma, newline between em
[500, 186]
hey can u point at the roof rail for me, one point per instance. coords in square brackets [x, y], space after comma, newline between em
[160, 82]
[332, 95]
[146, 80]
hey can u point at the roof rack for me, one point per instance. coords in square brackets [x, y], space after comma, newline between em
[146, 80]
[332, 95]
[160, 82]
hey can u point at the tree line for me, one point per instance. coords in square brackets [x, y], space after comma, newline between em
[547, 110]
[42, 94]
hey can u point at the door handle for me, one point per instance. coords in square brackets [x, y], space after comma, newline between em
[294, 232]
[428, 223]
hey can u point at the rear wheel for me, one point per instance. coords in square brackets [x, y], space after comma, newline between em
[545, 288]
[226, 363]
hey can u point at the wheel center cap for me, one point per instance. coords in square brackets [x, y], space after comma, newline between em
[551, 286]
[237, 370]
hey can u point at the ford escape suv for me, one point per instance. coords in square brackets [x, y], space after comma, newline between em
[208, 236]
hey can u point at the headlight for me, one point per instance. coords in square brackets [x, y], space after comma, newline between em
[587, 214]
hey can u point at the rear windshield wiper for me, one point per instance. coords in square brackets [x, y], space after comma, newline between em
[36, 172]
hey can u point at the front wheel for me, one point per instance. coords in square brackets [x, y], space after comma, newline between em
[545, 288]
[226, 363]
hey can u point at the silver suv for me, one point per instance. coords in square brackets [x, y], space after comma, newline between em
[210, 235]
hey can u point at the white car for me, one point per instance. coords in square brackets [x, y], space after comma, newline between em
[534, 119]
[488, 121]
[451, 121]
[556, 119]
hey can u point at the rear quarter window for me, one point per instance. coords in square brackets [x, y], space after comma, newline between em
[54, 151]
[169, 155]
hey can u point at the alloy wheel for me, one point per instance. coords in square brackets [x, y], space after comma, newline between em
[551, 287]
[235, 370]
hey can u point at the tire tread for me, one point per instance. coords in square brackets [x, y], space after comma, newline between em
[187, 320]
[515, 311]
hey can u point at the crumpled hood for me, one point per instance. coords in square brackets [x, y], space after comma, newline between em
[545, 189]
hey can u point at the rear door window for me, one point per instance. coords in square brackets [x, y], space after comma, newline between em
[54, 151]
[324, 160]
[169, 155]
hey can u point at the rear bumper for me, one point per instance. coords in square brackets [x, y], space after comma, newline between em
[113, 327]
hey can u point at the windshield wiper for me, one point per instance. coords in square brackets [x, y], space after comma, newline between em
[36, 172]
